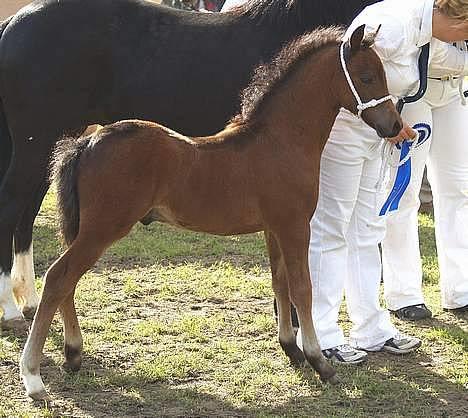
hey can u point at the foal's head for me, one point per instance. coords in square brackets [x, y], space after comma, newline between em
[367, 78]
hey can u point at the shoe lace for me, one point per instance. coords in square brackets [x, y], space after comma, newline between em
[345, 348]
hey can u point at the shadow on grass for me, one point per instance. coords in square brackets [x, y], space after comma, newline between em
[106, 388]
[160, 244]
[100, 391]
[449, 330]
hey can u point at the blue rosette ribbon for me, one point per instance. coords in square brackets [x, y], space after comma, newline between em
[403, 175]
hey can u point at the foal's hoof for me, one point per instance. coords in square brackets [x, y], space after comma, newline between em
[40, 396]
[29, 312]
[72, 359]
[34, 385]
[333, 380]
[72, 365]
[17, 325]
[296, 356]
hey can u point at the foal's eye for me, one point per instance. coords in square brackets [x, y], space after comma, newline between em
[367, 79]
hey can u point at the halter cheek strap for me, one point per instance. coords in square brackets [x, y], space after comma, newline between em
[360, 105]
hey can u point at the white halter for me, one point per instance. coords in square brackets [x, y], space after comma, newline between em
[360, 106]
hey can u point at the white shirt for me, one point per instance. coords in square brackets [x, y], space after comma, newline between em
[229, 4]
[406, 27]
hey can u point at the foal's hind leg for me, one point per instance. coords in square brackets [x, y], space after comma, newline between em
[60, 282]
[73, 341]
[293, 242]
[59, 287]
[287, 338]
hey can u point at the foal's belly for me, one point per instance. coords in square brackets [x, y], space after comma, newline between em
[211, 222]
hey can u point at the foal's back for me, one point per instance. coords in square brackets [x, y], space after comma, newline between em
[208, 185]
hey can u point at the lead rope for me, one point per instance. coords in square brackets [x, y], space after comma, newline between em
[386, 151]
[386, 155]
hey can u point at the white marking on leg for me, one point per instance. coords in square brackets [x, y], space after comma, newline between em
[31, 376]
[7, 301]
[23, 279]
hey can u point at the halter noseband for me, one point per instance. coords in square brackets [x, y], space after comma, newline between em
[360, 106]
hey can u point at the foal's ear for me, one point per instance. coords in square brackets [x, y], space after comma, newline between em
[369, 38]
[356, 38]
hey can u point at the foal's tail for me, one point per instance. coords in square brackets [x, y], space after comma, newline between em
[64, 171]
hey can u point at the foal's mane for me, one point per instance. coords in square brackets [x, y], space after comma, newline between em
[268, 77]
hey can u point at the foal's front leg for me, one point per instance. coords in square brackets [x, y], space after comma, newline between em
[286, 335]
[293, 243]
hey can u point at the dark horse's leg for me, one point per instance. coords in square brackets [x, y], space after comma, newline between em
[293, 242]
[21, 183]
[23, 265]
[11, 315]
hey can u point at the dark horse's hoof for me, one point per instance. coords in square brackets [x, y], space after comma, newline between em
[17, 325]
[29, 312]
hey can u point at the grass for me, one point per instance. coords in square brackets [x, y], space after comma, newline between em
[179, 324]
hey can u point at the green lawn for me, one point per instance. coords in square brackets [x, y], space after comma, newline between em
[178, 324]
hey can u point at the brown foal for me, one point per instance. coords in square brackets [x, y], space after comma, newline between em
[260, 173]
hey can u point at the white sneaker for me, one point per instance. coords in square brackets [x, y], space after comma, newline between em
[401, 344]
[345, 354]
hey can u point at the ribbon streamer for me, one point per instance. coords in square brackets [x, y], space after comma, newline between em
[402, 180]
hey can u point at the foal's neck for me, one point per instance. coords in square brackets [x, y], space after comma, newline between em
[304, 108]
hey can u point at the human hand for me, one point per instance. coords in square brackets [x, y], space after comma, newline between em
[406, 133]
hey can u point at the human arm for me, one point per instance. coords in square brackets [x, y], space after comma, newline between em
[447, 59]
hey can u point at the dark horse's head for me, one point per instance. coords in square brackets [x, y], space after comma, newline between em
[370, 98]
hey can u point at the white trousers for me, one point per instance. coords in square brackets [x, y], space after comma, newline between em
[345, 233]
[446, 155]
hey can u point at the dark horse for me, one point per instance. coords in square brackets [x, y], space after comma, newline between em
[71, 63]
[267, 169]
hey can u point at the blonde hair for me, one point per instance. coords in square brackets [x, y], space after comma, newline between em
[457, 9]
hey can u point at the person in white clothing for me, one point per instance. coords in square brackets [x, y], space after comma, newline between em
[443, 114]
[346, 227]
